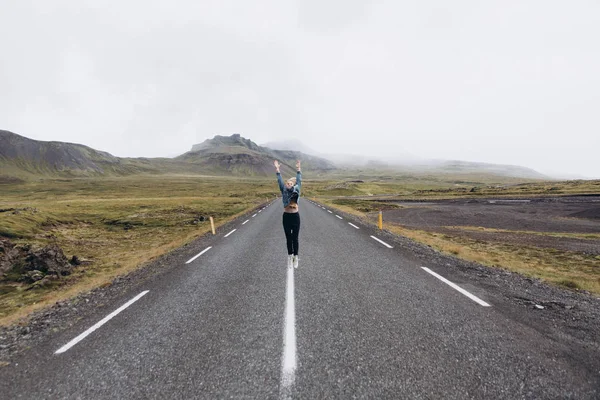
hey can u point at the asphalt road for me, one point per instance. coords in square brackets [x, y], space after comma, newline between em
[357, 319]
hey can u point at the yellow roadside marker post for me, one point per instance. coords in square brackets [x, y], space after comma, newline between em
[212, 225]
[380, 220]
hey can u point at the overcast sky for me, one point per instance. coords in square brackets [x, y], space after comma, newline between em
[512, 82]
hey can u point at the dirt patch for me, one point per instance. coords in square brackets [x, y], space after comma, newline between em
[10, 180]
[558, 214]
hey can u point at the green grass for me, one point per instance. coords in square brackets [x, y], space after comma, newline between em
[365, 206]
[423, 187]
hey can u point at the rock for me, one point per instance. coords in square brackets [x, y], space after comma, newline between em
[33, 276]
[47, 281]
[50, 260]
[9, 256]
[74, 261]
[22, 263]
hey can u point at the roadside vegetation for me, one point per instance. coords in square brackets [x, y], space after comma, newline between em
[112, 225]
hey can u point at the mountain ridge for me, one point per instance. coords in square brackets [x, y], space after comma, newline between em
[21, 157]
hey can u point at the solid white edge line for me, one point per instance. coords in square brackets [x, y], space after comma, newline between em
[350, 223]
[339, 217]
[382, 242]
[99, 324]
[288, 359]
[455, 286]
[245, 222]
[230, 233]
[198, 255]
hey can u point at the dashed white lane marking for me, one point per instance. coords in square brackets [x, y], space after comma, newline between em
[330, 212]
[351, 224]
[339, 217]
[198, 255]
[245, 222]
[259, 210]
[455, 286]
[99, 324]
[288, 359]
[254, 216]
[382, 242]
[230, 233]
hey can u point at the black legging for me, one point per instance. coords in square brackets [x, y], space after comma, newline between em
[291, 226]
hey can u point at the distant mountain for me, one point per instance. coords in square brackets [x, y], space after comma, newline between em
[24, 158]
[407, 163]
[455, 166]
[21, 156]
[238, 155]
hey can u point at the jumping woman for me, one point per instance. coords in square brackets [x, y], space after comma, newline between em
[290, 193]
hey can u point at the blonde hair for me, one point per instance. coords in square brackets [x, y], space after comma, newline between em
[292, 180]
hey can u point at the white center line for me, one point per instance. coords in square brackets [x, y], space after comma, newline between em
[254, 216]
[259, 210]
[230, 233]
[288, 359]
[339, 217]
[245, 222]
[198, 255]
[382, 242]
[330, 212]
[99, 324]
[351, 224]
[455, 286]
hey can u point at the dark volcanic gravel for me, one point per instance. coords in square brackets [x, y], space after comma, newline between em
[557, 214]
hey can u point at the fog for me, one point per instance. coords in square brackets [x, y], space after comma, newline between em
[498, 82]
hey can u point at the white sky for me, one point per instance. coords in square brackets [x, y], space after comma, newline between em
[512, 82]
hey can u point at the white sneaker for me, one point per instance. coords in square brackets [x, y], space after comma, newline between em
[290, 261]
[295, 261]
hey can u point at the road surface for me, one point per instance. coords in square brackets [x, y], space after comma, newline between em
[359, 318]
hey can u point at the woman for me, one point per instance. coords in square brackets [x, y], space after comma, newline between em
[290, 193]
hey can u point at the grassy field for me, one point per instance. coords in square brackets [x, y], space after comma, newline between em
[568, 269]
[114, 224]
[419, 187]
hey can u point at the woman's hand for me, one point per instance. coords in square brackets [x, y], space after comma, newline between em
[276, 164]
[298, 165]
